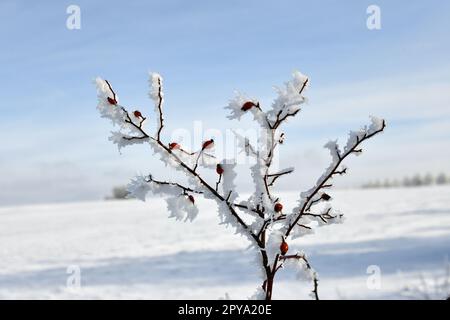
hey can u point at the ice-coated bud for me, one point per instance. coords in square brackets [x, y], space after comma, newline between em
[112, 101]
[248, 105]
[173, 146]
[208, 144]
[219, 169]
[325, 196]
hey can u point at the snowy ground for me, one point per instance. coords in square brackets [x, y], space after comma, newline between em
[130, 249]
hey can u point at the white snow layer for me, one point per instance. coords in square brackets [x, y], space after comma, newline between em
[130, 249]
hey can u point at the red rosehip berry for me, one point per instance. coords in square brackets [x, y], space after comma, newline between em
[112, 101]
[278, 207]
[208, 144]
[191, 199]
[248, 105]
[137, 114]
[284, 247]
[219, 169]
[173, 146]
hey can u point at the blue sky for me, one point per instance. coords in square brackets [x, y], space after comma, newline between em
[55, 147]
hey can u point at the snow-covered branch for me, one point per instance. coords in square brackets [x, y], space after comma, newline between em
[315, 194]
[272, 177]
[305, 271]
[157, 95]
[261, 217]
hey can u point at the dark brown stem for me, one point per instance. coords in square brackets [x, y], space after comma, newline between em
[112, 91]
[218, 182]
[160, 102]
[275, 176]
[197, 160]
[175, 184]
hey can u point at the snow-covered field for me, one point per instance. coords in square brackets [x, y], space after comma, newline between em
[130, 249]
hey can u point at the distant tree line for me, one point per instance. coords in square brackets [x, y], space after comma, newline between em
[414, 181]
[118, 193]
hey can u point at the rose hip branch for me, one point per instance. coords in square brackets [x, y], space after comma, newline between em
[261, 218]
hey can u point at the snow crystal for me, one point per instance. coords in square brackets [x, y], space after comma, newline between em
[301, 268]
[257, 262]
[289, 98]
[260, 196]
[356, 136]
[237, 102]
[180, 207]
[106, 109]
[156, 94]
[139, 187]
[155, 82]
[353, 138]
[333, 146]
[376, 124]
[229, 220]
[235, 105]
[273, 243]
[122, 140]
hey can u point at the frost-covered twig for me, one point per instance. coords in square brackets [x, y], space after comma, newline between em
[261, 217]
[274, 176]
[157, 95]
[301, 257]
[184, 189]
[356, 138]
